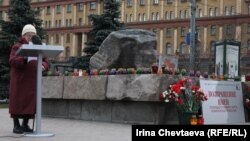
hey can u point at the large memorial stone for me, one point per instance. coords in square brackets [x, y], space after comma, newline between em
[132, 48]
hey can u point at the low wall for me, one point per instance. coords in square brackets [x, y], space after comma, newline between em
[113, 98]
[111, 111]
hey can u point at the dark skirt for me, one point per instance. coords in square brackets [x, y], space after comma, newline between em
[22, 116]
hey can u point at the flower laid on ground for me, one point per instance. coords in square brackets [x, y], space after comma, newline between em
[130, 70]
[121, 71]
[183, 71]
[104, 72]
[112, 71]
[205, 74]
[187, 97]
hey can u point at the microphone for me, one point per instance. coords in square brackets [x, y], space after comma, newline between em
[36, 40]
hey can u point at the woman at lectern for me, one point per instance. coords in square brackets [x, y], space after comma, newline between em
[23, 76]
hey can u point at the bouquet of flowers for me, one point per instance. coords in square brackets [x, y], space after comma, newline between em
[187, 96]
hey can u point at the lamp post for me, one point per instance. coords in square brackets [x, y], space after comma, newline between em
[192, 35]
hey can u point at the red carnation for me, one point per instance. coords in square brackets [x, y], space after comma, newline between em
[176, 88]
[182, 82]
[195, 88]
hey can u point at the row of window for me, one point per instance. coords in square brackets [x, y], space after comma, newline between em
[58, 23]
[142, 2]
[92, 6]
[183, 14]
[57, 40]
[184, 49]
[168, 45]
[229, 30]
[155, 16]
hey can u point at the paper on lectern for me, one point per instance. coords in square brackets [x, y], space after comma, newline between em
[31, 58]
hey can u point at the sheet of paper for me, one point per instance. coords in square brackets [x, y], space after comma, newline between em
[31, 58]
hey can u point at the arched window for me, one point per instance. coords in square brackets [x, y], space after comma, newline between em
[131, 18]
[67, 52]
[168, 32]
[157, 16]
[67, 23]
[49, 24]
[213, 30]
[144, 17]
[80, 22]
[127, 19]
[226, 11]
[186, 14]
[216, 11]
[70, 22]
[59, 23]
[200, 13]
[153, 16]
[171, 15]
[168, 49]
[196, 14]
[67, 38]
[212, 48]
[210, 12]
[57, 39]
[181, 14]
[232, 10]
[139, 18]
[166, 15]
[183, 48]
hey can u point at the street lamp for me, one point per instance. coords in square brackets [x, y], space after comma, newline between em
[192, 35]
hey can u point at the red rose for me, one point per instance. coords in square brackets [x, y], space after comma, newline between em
[195, 88]
[182, 82]
[176, 88]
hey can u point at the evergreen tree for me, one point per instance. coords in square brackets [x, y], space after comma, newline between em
[4, 66]
[19, 14]
[103, 25]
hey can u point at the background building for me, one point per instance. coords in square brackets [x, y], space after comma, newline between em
[66, 23]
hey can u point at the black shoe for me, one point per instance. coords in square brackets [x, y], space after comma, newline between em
[26, 128]
[18, 130]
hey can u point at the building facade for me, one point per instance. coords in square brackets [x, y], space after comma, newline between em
[66, 22]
